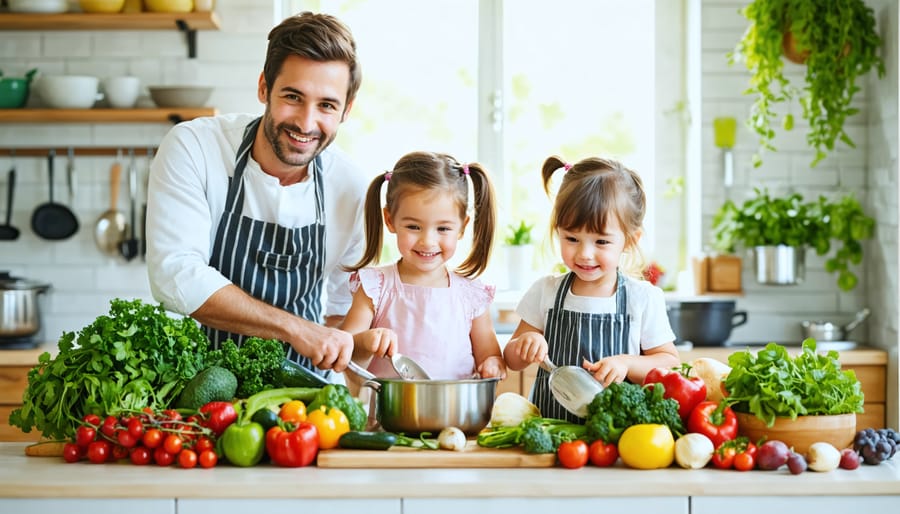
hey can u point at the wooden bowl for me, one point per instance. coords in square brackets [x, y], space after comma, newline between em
[800, 433]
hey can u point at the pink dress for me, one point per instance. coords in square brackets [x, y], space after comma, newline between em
[432, 323]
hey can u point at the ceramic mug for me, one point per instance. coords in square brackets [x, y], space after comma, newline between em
[122, 92]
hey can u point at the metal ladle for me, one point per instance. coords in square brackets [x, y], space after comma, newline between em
[573, 387]
[408, 369]
[109, 230]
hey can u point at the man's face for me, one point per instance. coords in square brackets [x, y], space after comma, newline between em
[303, 111]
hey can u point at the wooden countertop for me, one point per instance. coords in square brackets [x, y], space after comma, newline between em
[50, 477]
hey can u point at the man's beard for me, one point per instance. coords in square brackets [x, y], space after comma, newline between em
[281, 149]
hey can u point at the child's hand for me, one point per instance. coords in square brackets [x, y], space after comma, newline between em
[608, 370]
[379, 342]
[531, 347]
[492, 367]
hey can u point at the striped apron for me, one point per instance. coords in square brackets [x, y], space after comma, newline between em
[281, 266]
[573, 336]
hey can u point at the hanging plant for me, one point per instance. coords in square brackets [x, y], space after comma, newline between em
[837, 42]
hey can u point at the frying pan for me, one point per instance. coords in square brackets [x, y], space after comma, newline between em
[52, 220]
[7, 231]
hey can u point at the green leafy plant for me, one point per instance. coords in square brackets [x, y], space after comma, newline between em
[519, 235]
[839, 43]
[790, 221]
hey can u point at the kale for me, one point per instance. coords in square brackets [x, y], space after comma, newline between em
[623, 404]
[535, 435]
[256, 363]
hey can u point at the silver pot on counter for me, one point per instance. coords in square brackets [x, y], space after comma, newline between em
[823, 331]
[20, 313]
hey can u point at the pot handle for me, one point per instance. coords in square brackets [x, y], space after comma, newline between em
[860, 317]
[738, 318]
[359, 370]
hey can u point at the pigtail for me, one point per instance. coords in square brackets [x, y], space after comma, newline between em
[484, 221]
[374, 224]
[552, 164]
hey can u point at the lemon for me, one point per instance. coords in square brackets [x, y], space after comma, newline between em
[647, 446]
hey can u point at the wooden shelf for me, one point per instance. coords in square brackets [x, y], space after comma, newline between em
[158, 115]
[102, 21]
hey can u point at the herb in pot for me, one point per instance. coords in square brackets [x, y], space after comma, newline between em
[770, 383]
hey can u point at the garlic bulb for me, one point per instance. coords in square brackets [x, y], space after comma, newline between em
[452, 438]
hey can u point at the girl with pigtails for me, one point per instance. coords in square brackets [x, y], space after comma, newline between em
[600, 315]
[417, 306]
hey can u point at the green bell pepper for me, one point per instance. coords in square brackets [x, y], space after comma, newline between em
[244, 445]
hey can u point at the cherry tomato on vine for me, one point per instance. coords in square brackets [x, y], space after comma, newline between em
[126, 439]
[187, 459]
[744, 462]
[119, 452]
[108, 428]
[71, 452]
[141, 456]
[203, 443]
[573, 454]
[85, 435]
[603, 454]
[208, 459]
[135, 428]
[162, 457]
[152, 438]
[98, 452]
[91, 419]
[173, 444]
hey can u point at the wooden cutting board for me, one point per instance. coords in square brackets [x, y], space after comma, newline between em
[473, 456]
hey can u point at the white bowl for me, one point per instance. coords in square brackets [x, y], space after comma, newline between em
[38, 6]
[180, 96]
[68, 91]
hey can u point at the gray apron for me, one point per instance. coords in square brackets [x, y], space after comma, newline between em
[281, 266]
[573, 336]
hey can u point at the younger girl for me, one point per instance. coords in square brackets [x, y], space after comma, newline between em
[613, 325]
[417, 306]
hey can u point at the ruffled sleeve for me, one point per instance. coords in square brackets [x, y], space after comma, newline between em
[371, 280]
[479, 296]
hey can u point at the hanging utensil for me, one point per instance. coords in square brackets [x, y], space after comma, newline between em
[725, 130]
[7, 231]
[408, 369]
[52, 220]
[109, 231]
[70, 175]
[573, 387]
[129, 247]
[146, 185]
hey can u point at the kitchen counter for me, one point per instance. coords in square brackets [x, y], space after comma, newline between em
[50, 477]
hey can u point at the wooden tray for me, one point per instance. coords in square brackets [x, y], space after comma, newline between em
[473, 456]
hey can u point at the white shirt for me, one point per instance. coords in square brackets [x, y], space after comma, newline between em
[645, 303]
[186, 198]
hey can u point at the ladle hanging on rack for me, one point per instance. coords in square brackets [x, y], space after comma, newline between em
[7, 231]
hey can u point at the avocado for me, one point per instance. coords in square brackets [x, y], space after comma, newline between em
[212, 384]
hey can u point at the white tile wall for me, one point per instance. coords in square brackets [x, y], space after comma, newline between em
[871, 169]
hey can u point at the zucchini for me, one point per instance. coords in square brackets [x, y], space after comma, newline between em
[292, 374]
[265, 417]
[367, 440]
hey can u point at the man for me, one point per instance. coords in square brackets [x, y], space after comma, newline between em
[238, 205]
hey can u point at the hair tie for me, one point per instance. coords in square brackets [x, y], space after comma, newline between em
[465, 169]
[567, 166]
[387, 176]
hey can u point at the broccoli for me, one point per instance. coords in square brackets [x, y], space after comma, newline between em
[338, 396]
[535, 435]
[256, 363]
[622, 404]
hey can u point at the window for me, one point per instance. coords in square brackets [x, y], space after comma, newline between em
[507, 83]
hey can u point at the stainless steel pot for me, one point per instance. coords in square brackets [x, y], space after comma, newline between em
[20, 315]
[828, 331]
[416, 406]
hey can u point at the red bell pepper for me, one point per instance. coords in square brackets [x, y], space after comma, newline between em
[688, 391]
[218, 415]
[715, 420]
[293, 448]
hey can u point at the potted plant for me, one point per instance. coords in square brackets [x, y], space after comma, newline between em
[520, 254]
[838, 44]
[787, 226]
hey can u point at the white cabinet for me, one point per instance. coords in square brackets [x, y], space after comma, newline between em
[87, 505]
[667, 505]
[289, 506]
[793, 504]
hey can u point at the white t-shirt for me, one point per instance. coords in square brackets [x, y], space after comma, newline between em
[186, 198]
[645, 303]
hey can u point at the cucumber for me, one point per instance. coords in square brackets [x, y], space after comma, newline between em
[367, 440]
[292, 374]
[265, 417]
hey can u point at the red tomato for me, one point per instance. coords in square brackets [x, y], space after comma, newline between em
[140, 456]
[208, 459]
[572, 454]
[295, 448]
[108, 428]
[126, 439]
[162, 457]
[71, 452]
[135, 428]
[98, 451]
[187, 459]
[152, 438]
[85, 435]
[744, 461]
[119, 452]
[92, 419]
[603, 454]
[203, 443]
[173, 444]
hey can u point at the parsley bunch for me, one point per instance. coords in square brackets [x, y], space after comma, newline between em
[135, 356]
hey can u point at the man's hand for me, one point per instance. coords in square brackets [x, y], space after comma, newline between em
[327, 348]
